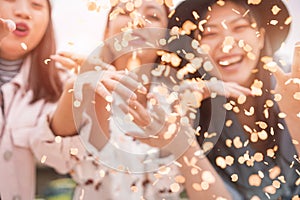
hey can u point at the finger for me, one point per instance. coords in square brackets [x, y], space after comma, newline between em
[296, 61]
[66, 62]
[130, 82]
[10, 25]
[141, 112]
[137, 118]
[115, 86]
[240, 89]
[103, 92]
[78, 58]
[279, 75]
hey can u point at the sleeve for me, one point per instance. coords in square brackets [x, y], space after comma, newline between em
[61, 153]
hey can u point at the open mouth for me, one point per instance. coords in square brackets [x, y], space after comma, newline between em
[227, 61]
[21, 29]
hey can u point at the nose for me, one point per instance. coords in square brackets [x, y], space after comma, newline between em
[137, 20]
[228, 44]
[22, 9]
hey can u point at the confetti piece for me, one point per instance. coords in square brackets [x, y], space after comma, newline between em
[76, 103]
[24, 46]
[43, 159]
[46, 61]
[254, 180]
[175, 187]
[234, 178]
[58, 139]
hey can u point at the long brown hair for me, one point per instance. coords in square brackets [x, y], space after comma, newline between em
[44, 78]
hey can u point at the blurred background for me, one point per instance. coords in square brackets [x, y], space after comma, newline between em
[79, 28]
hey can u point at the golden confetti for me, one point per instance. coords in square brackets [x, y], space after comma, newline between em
[276, 184]
[58, 139]
[258, 157]
[228, 142]
[255, 198]
[263, 135]
[229, 160]
[73, 151]
[197, 187]
[269, 103]
[43, 159]
[228, 106]
[91, 5]
[247, 129]
[251, 56]
[195, 14]
[180, 179]
[242, 99]
[288, 20]
[237, 142]
[76, 103]
[46, 61]
[274, 22]
[188, 26]
[297, 96]
[254, 137]
[228, 44]
[109, 99]
[280, 126]
[134, 188]
[270, 153]
[274, 172]
[297, 182]
[270, 189]
[234, 177]
[262, 125]
[207, 146]
[221, 2]
[208, 177]
[277, 97]
[24, 46]
[175, 187]
[204, 185]
[254, 180]
[254, 2]
[220, 161]
[275, 10]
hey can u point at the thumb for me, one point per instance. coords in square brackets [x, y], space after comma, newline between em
[279, 74]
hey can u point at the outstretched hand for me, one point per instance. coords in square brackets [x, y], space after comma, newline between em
[288, 89]
[6, 26]
[288, 86]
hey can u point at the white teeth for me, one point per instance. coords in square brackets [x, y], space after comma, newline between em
[230, 61]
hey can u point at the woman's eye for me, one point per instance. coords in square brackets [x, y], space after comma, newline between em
[241, 27]
[37, 5]
[209, 34]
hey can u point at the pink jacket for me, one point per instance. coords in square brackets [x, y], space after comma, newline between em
[25, 136]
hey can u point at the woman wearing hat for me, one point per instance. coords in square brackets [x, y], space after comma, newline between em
[253, 149]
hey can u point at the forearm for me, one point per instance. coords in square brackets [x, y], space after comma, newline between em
[206, 183]
[291, 108]
[62, 122]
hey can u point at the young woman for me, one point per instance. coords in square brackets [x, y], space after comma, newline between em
[30, 87]
[253, 151]
[126, 167]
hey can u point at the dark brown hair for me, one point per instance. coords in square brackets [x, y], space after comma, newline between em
[44, 78]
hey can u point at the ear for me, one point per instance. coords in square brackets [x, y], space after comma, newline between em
[261, 38]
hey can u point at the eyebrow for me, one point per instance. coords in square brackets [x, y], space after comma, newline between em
[155, 8]
[227, 22]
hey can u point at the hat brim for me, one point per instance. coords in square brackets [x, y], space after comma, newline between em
[277, 25]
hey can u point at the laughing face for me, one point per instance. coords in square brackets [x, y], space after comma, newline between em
[31, 18]
[146, 24]
[234, 43]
